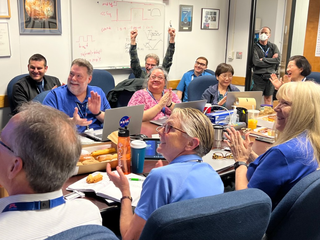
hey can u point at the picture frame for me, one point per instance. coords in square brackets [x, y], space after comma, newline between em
[42, 18]
[185, 18]
[5, 9]
[210, 19]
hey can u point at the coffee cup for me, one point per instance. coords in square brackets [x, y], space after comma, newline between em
[138, 151]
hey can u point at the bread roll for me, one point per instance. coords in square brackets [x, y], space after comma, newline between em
[94, 179]
[103, 151]
[85, 157]
[87, 162]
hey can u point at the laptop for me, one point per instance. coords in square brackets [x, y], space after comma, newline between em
[112, 120]
[199, 104]
[232, 96]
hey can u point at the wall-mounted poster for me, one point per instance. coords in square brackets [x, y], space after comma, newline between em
[210, 18]
[40, 17]
[185, 21]
[5, 9]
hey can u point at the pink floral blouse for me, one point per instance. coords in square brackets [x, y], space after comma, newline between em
[143, 97]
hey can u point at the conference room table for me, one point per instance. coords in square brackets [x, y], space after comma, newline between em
[148, 129]
[111, 212]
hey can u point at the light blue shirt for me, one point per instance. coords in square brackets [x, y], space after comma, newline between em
[184, 178]
[185, 80]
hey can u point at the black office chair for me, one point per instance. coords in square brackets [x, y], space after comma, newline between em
[10, 88]
[102, 79]
[241, 215]
[198, 85]
[297, 216]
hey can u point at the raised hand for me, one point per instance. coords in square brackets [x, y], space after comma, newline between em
[80, 121]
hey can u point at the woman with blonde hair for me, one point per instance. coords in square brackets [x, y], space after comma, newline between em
[296, 152]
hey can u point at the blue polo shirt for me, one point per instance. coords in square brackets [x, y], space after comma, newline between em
[62, 99]
[184, 178]
[185, 80]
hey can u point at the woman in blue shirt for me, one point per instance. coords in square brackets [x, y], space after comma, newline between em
[295, 153]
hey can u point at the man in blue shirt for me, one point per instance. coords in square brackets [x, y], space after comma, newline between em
[199, 70]
[83, 103]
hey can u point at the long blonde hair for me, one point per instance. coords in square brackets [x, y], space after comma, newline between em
[304, 114]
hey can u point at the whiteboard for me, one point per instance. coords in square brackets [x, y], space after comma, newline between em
[101, 31]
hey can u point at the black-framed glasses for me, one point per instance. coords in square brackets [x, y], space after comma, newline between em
[167, 128]
[201, 64]
[6, 146]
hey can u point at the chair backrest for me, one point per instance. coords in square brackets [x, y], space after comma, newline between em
[297, 216]
[41, 96]
[10, 88]
[198, 85]
[315, 76]
[237, 215]
[132, 75]
[103, 79]
[86, 232]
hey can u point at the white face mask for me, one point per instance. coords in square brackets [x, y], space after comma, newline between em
[263, 37]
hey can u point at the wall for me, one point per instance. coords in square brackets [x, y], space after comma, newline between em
[56, 48]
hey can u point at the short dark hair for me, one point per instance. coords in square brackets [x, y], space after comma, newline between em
[303, 63]
[203, 58]
[38, 57]
[223, 68]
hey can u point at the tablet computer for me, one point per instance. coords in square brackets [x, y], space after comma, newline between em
[151, 150]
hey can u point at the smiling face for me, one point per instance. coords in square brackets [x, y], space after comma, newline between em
[294, 73]
[283, 110]
[78, 81]
[225, 79]
[174, 142]
[156, 82]
[37, 70]
[150, 63]
[199, 66]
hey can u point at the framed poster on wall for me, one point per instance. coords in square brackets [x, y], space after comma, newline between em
[185, 20]
[40, 17]
[210, 19]
[5, 9]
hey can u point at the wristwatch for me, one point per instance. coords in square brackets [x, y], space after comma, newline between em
[97, 114]
[238, 164]
[124, 197]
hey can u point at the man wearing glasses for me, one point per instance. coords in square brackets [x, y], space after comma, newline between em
[151, 59]
[199, 70]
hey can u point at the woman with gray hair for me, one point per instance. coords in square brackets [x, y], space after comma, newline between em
[185, 138]
[158, 101]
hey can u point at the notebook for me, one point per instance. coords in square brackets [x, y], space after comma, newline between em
[112, 120]
[199, 104]
[232, 96]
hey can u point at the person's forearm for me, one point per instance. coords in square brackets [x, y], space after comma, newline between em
[253, 156]
[151, 112]
[100, 117]
[241, 181]
[126, 213]
[179, 94]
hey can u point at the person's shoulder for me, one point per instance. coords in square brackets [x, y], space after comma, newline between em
[234, 88]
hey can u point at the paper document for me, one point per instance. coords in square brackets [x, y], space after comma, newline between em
[106, 189]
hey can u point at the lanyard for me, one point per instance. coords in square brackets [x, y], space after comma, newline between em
[83, 114]
[38, 205]
[150, 93]
[40, 89]
[265, 52]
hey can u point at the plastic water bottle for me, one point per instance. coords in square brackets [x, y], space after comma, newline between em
[124, 150]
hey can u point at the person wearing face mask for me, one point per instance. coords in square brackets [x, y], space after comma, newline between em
[158, 101]
[265, 61]
[298, 69]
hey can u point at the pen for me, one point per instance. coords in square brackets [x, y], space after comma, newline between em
[135, 179]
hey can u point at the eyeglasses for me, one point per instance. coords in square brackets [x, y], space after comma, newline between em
[7, 147]
[220, 155]
[151, 65]
[154, 77]
[167, 128]
[201, 64]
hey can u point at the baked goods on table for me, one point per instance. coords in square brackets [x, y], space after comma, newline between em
[93, 179]
[102, 155]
